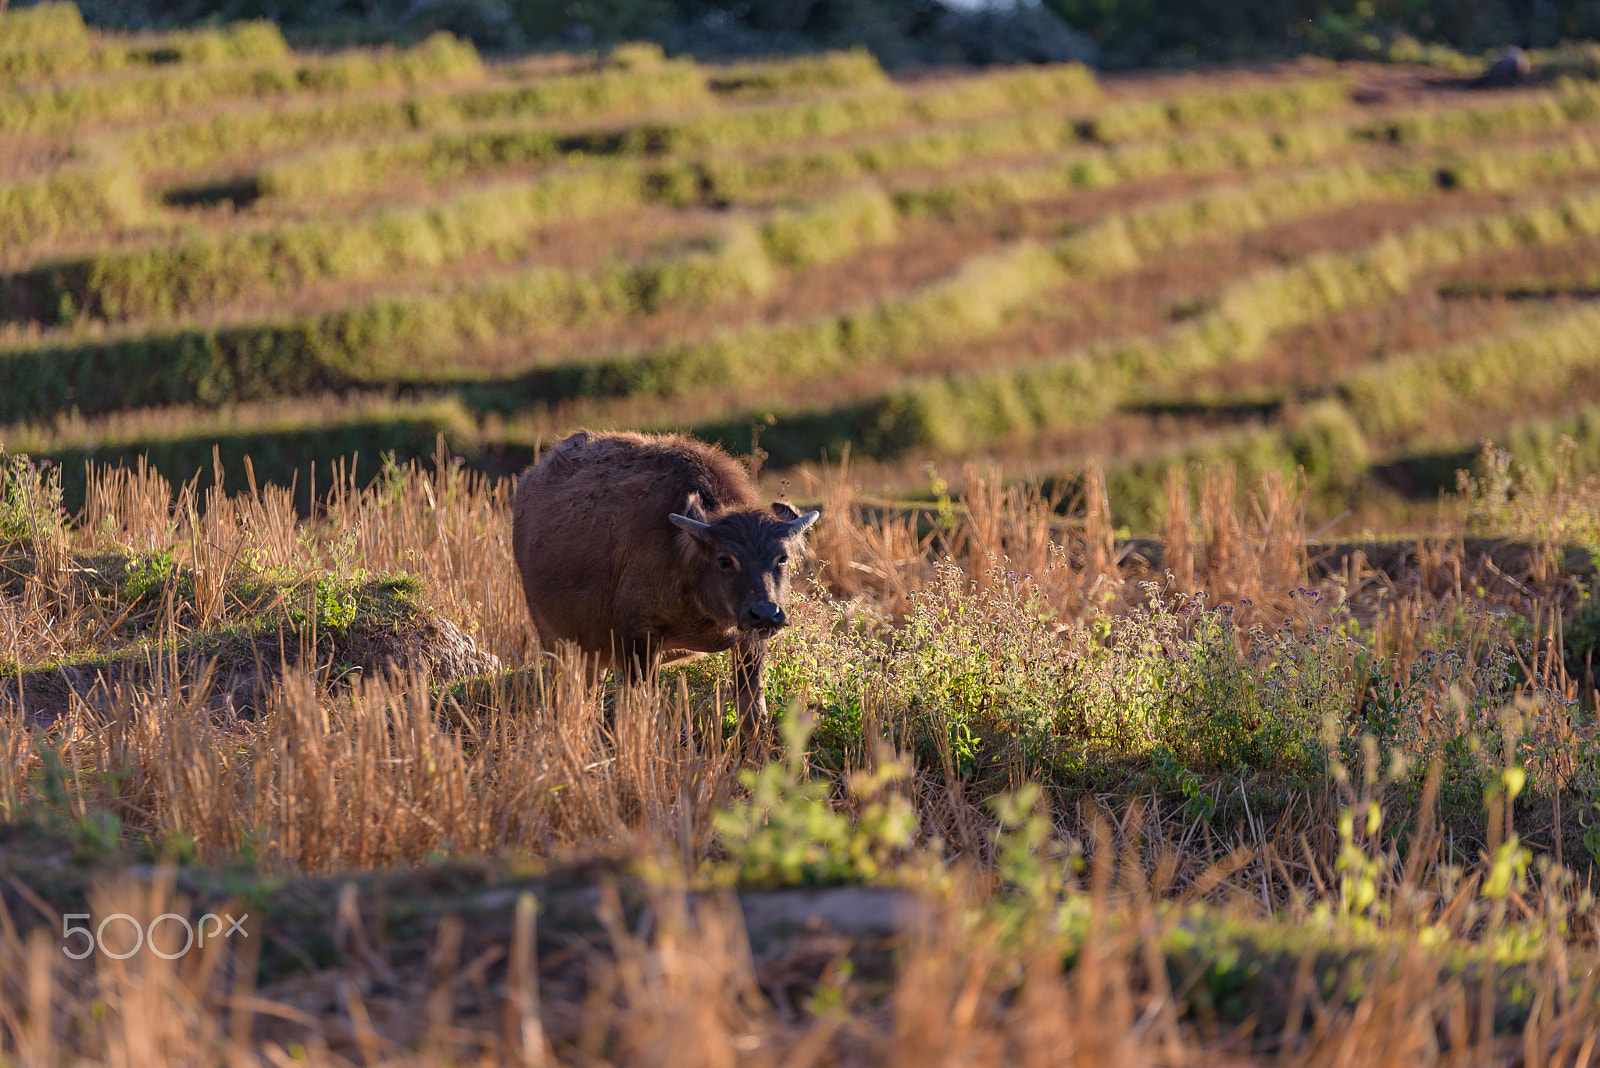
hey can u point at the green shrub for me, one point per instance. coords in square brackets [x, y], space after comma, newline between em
[986, 676]
[788, 834]
[1581, 637]
[30, 498]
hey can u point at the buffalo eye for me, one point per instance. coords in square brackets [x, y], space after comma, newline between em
[725, 562]
[783, 559]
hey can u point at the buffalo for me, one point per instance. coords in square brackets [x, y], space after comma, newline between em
[642, 549]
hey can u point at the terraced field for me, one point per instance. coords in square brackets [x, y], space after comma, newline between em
[208, 242]
[1222, 788]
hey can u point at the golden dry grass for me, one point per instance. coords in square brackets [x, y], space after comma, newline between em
[394, 772]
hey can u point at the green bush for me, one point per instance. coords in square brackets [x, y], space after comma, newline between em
[30, 498]
[986, 676]
[787, 833]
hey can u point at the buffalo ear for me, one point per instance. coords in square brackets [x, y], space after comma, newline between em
[802, 524]
[785, 511]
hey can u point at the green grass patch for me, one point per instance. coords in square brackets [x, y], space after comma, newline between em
[1405, 398]
[243, 42]
[156, 94]
[854, 69]
[53, 24]
[1520, 115]
[69, 201]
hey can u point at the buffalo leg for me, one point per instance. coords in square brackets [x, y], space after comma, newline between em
[749, 664]
[637, 660]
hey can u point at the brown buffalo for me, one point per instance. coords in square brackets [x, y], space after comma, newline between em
[634, 547]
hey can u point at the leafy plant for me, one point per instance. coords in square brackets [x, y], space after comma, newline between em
[788, 833]
[30, 497]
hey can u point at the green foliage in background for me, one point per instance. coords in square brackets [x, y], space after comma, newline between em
[1140, 32]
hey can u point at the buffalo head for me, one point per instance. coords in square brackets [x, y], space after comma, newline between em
[743, 558]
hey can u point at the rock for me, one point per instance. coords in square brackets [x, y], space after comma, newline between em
[449, 653]
[1512, 68]
[1019, 33]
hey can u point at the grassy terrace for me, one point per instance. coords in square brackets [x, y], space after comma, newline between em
[1002, 264]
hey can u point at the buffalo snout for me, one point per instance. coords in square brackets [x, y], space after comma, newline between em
[764, 615]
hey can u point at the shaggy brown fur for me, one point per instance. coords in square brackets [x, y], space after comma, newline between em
[633, 546]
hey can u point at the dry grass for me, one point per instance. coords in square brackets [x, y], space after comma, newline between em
[392, 771]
